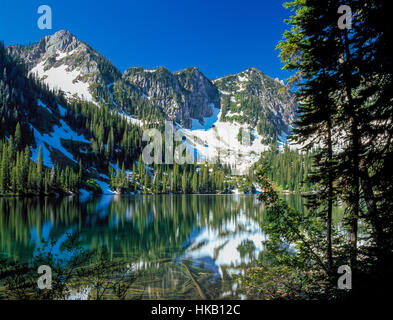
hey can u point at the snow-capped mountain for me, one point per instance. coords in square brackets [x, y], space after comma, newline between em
[253, 97]
[250, 103]
[40, 114]
[213, 114]
[66, 63]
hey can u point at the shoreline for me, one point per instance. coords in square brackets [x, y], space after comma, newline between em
[136, 194]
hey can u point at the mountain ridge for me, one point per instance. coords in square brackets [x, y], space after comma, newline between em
[58, 49]
[248, 100]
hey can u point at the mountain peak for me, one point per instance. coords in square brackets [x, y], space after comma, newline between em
[62, 40]
[62, 34]
[188, 69]
[252, 69]
[248, 71]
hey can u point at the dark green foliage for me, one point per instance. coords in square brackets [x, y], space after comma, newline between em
[284, 273]
[19, 112]
[19, 96]
[105, 127]
[288, 169]
[344, 80]
[20, 175]
[108, 71]
[92, 185]
[170, 179]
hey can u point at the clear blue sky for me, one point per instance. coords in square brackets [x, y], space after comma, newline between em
[219, 37]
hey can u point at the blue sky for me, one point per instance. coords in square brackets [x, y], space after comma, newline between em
[219, 37]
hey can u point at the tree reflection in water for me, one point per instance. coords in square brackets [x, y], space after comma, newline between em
[133, 247]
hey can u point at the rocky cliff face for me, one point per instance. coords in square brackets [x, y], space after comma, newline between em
[181, 96]
[47, 47]
[251, 97]
[201, 93]
[160, 87]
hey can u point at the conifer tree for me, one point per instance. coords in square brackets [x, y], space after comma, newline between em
[344, 81]
[184, 185]
[18, 137]
[195, 182]
[39, 170]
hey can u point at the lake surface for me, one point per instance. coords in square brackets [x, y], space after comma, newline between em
[178, 246]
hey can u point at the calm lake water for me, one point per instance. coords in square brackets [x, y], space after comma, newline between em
[174, 243]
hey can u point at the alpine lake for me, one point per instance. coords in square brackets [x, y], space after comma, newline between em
[147, 246]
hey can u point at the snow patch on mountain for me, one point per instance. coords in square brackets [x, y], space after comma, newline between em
[46, 159]
[115, 168]
[208, 122]
[62, 110]
[108, 87]
[41, 104]
[60, 55]
[232, 114]
[217, 139]
[279, 81]
[224, 92]
[131, 119]
[53, 140]
[64, 79]
[243, 78]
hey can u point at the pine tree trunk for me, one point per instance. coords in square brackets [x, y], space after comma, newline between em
[355, 140]
[372, 210]
[330, 198]
[356, 191]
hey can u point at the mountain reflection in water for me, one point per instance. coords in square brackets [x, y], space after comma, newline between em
[173, 238]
